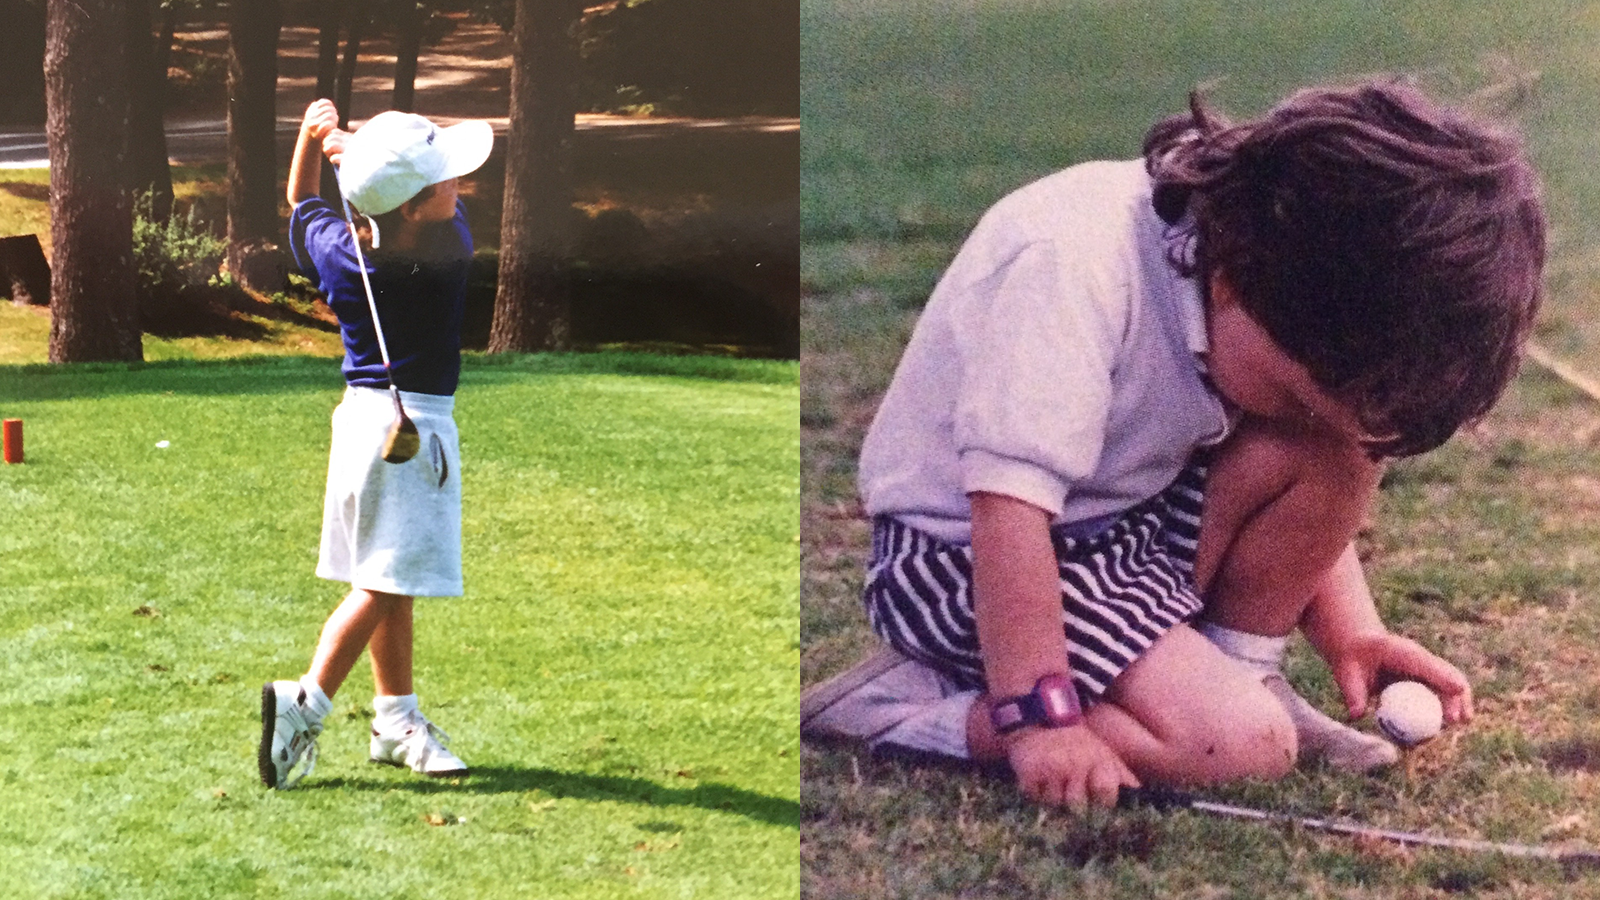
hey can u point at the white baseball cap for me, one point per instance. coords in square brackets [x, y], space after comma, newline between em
[395, 155]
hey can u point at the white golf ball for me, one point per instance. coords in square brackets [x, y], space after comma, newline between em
[162, 445]
[1409, 713]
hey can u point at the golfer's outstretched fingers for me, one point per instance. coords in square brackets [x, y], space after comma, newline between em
[1075, 793]
[1042, 786]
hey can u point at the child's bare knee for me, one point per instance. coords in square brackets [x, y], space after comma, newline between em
[1270, 744]
[1258, 746]
[1257, 461]
[1255, 743]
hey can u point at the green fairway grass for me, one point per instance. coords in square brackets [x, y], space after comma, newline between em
[917, 118]
[620, 674]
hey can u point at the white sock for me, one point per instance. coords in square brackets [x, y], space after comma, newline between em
[1320, 736]
[392, 711]
[1259, 652]
[317, 705]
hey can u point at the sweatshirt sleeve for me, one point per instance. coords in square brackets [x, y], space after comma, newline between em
[1038, 333]
[315, 231]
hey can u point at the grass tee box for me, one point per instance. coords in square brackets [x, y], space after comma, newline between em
[620, 672]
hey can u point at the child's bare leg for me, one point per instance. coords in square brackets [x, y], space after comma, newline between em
[1183, 713]
[346, 633]
[391, 650]
[1283, 505]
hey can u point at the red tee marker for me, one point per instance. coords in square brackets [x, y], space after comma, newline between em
[13, 440]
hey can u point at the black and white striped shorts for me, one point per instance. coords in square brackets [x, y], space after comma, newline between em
[1121, 589]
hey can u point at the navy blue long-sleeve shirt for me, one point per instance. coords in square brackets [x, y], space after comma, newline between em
[420, 297]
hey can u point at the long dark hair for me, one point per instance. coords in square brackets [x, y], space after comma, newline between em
[1391, 245]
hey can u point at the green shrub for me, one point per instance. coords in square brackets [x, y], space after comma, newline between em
[180, 252]
[176, 264]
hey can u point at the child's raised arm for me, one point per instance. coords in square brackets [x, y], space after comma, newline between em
[305, 168]
[1018, 611]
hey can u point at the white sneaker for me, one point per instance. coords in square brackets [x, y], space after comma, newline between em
[288, 735]
[417, 743]
[896, 705]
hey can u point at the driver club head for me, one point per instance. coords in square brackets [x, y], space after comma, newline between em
[402, 442]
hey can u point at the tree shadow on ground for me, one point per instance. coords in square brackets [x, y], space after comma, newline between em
[579, 786]
[27, 190]
[201, 378]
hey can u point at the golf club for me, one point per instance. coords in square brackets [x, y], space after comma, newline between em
[1572, 860]
[403, 441]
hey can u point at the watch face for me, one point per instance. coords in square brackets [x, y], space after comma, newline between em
[1058, 699]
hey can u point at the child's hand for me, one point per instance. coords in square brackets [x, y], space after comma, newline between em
[322, 117]
[333, 145]
[1366, 656]
[1068, 767]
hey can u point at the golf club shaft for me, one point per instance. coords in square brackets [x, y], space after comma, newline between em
[372, 303]
[396, 448]
[1160, 798]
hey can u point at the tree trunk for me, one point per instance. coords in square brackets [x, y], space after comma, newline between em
[252, 130]
[147, 137]
[533, 305]
[408, 45]
[328, 79]
[169, 27]
[163, 63]
[357, 18]
[328, 47]
[94, 315]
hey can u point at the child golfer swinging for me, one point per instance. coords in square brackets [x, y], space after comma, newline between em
[1255, 315]
[391, 529]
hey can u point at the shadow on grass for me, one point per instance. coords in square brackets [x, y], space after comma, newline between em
[208, 377]
[27, 190]
[320, 374]
[576, 786]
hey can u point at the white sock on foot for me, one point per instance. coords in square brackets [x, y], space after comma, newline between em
[317, 705]
[1320, 736]
[392, 711]
[1259, 652]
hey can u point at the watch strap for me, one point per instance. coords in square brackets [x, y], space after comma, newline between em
[1053, 703]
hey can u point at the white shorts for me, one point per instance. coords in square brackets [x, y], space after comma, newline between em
[394, 528]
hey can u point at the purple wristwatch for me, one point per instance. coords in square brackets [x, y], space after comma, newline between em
[1053, 703]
